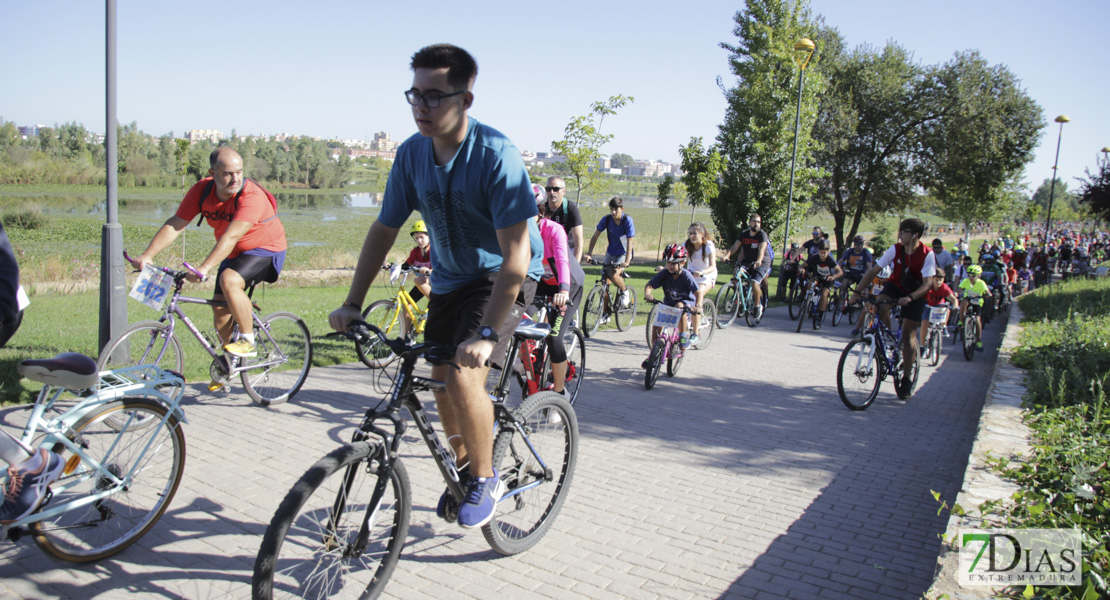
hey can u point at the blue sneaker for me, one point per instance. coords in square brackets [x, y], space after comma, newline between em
[448, 508]
[26, 489]
[684, 341]
[482, 494]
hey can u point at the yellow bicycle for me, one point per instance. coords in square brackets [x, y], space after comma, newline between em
[396, 318]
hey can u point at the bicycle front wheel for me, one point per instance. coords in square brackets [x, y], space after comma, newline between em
[795, 301]
[626, 315]
[971, 331]
[650, 323]
[934, 350]
[654, 362]
[575, 343]
[150, 460]
[592, 311]
[726, 303]
[309, 550]
[384, 315]
[535, 490]
[837, 307]
[859, 374]
[807, 305]
[143, 343]
[285, 348]
[705, 326]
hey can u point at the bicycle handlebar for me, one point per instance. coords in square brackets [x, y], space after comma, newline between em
[172, 272]
[691, 310]
[437, 354]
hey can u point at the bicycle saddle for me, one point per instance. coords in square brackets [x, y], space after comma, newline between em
[70, 370]
[531, 330]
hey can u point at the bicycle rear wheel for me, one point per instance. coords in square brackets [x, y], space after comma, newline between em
[626, 315]
[284, 341]
[534, 494]
[143, 343]
[384, 315]
[575, 343]
[795, 300]
[706, 325]
[309, 550]
[592, 311]
[674, 361]
[971, 330]
[859, 374]
[934, 357]
[153, 456]
[726, 303]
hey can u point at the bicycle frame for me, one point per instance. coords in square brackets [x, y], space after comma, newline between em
[416, 315]
[144, 380]
[878, 332]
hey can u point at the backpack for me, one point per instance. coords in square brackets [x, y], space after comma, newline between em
[212, 183]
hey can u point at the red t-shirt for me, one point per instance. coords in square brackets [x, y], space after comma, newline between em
[266, 232]
[420, 259]
[936, 296]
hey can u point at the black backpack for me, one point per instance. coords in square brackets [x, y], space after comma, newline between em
[212, 183]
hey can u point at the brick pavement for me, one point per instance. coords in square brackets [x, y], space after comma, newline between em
[742, 477]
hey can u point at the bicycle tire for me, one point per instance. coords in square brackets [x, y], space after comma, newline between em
[592, 311]
[674, 361]
[105, 527]
[749, 303]
[384, 315]
[523, 517]
[650, 323]
[805, 312]
[575, 343]
[625, 316]
[304, 523]
[934, 358]
[284, 338]
[727, 305]
[969, 337]
[156, 347]
[705, 332]
[913, 380]
[794, 301]
[859, 374]
[654, 363]
[853, 312]
[837, 307]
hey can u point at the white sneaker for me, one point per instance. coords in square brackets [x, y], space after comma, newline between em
[624, 299]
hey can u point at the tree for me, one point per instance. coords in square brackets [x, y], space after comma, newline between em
[1094, 191]
[983, 140]
[663, 200]
[582, 142]
[701, 170]
[620, 161]
[756, 138]
[867, 129]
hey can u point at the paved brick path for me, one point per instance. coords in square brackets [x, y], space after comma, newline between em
[742, 477]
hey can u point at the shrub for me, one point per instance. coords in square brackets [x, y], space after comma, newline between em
[25, 219]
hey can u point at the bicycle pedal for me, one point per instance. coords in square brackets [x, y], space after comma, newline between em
[13, 533]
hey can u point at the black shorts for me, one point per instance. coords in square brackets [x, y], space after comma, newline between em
[455, 317]
[914, 311]
[253, 269]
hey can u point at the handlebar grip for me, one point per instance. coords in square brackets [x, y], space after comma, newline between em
[195, 272]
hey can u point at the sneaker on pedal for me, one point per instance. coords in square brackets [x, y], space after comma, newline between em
[603, 321]
[448, 508]
[979, 346]
[758, 312]
[241, 348]
[622, 300]
[904, 388]
[26, 488]
[482, 494]
[215, 385]
[684, 341]
[695, 340]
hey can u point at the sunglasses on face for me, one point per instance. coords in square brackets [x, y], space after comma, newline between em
[552, 188]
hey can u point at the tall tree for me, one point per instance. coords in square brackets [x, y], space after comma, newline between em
[757, 136]
[983, 140]
[582, 142]
[1094, 190]
[663, 200]
[701, 170]
[620, 161]
[868, 129]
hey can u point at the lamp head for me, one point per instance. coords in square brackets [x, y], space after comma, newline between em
[805, 44]
[1062, 119]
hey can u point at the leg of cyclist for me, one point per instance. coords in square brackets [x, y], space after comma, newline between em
[616, 263]
[558, 348]
[232, 279]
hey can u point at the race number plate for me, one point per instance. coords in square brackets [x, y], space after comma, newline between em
[938, 315]
[666, 316]
[152, 287]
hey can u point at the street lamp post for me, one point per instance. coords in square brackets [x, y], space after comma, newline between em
[803, 45]
[1052, 191]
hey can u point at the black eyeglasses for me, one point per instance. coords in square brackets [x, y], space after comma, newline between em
[552, 188]
[909, 231]
[431, 99]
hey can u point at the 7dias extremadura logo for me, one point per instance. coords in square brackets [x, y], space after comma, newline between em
[1000, 557]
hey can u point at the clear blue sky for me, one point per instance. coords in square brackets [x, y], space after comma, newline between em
[337, 69]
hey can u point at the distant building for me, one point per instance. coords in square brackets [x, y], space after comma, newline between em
[30, 131]
[196, 135]
[383, 143]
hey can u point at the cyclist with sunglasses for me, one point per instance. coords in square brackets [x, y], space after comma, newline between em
[564, 212]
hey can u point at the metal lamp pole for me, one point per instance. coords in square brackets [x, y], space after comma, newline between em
[1052, 191]
[803, 45]
[113, 283]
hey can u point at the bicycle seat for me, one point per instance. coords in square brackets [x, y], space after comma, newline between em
[69, 370]
[531, 330]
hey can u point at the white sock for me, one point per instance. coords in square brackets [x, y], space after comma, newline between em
[249, 337]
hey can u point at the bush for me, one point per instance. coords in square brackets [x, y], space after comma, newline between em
[25, 219]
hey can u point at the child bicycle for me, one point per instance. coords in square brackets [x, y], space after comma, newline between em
[602, 304]
[735, 298]
[867, 360]
[123, 449]
[400, 317]
[938, 330]
[666, 347]
[284, 346]
[341, 528]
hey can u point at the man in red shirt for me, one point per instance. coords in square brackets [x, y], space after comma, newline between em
[913, 267]
[250, 242]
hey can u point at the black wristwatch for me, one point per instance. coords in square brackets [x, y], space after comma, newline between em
[486, 332]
